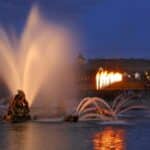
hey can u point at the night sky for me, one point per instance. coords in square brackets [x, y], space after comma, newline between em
[106, 28]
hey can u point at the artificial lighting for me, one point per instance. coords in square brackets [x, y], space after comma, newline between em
[105, 78]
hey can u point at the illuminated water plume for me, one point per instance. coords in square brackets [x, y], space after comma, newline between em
[39, 61]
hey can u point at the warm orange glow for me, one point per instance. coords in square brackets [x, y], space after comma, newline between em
[105, 78]
[110, 139]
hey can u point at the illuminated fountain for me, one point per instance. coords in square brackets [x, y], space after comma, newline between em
[38, 62]
[91, 108]
[97, 108]
[105, 78]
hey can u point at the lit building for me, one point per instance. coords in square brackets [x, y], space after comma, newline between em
[132, 73]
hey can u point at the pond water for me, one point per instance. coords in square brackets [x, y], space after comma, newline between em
[91, 135]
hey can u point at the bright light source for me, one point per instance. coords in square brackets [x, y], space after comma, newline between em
[137, 75]
[105, 78]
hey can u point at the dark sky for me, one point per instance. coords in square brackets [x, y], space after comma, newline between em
[108, 28]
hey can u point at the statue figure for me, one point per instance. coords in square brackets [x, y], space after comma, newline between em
[18, 109]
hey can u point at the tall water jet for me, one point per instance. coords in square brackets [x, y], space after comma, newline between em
[39, 62]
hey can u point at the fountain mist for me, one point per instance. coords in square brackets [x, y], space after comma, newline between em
[39, 62]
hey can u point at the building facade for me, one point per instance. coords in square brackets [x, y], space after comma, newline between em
[135, 72]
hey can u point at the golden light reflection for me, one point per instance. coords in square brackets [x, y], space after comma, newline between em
[105, 78]
[110, 139]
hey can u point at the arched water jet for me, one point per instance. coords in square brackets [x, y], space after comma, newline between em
[123, 101]
[89, 116]
[115, 101]
[95, 107]
[132, 107]
[95, 114]
[94, 100]
[81, 103]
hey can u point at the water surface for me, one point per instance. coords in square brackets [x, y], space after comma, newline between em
[134, 135]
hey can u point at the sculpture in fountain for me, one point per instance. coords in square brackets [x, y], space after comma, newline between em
[18, 110]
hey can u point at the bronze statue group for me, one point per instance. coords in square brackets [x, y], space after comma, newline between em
[18, 109]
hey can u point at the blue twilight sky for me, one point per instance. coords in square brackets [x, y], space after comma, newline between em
[108, 28]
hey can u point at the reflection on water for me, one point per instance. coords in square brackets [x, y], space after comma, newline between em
[110, 139]
[69, 136]
[31, 136]
[18, 137]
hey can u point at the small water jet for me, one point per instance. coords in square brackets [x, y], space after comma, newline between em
[100, 109]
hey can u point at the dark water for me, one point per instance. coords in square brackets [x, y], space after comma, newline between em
[134, 135]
